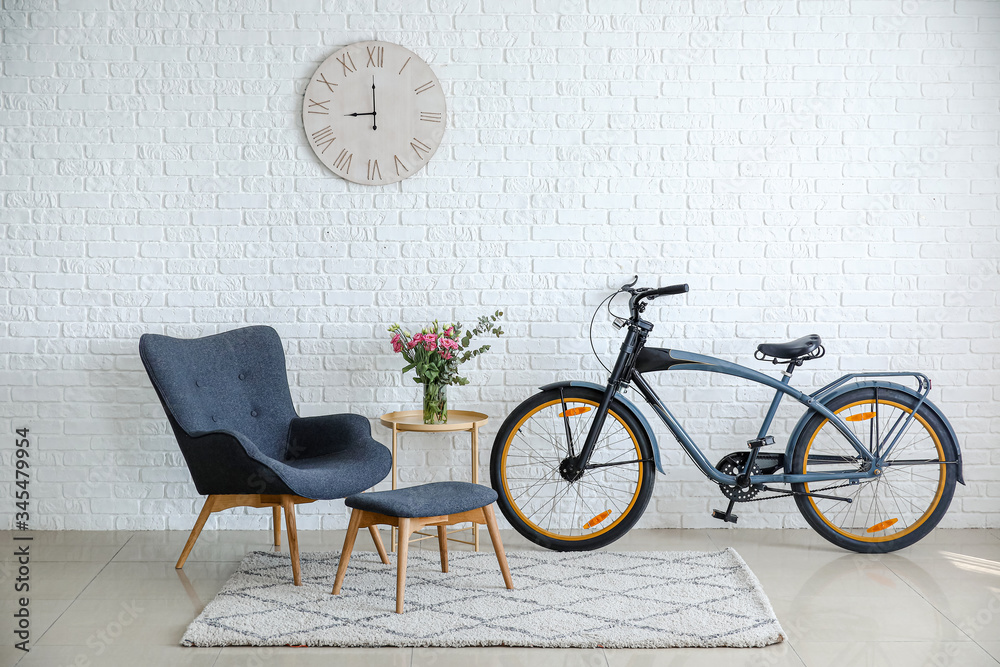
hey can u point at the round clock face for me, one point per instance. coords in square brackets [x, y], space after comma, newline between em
[374, 113]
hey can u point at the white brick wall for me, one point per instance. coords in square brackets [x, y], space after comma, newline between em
[823, 166]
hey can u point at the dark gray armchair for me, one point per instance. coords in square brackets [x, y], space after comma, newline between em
[227, 400]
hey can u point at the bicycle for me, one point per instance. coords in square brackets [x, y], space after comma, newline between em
[872, 464]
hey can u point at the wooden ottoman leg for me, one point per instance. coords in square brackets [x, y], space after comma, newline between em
[377, 539]
[443, 546]
[345, 553]
[491, 524]
[402, 552]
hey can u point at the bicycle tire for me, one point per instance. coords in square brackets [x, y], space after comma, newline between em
[585, 514]
[905, 502]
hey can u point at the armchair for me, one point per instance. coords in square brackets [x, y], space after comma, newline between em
[227, 400]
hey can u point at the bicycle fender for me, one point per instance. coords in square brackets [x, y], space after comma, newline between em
[825, 398]
[627, 403]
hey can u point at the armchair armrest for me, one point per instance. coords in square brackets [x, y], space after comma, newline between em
[316, 436]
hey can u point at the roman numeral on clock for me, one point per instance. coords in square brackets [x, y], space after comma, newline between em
[399, 163]
[322, 105]
[419, 148]
[374, 171]
[375, 55]
[430, 117]
[423, 88]
[324, 137]
[343, 161]
[322, 79]
[343, 60]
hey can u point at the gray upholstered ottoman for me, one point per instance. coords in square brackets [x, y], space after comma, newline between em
[438, 504]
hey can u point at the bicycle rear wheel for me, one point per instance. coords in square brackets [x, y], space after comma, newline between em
[906, 500]
[544, 506]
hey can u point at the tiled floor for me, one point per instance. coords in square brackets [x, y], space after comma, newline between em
[114, 598]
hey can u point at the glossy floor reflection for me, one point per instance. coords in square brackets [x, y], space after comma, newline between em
[114, 598]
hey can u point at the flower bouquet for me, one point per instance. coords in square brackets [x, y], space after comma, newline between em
[435, 354]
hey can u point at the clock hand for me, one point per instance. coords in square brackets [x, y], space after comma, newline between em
[374, 111]
[369, 113]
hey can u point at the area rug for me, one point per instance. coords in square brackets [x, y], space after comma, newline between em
[589, 599]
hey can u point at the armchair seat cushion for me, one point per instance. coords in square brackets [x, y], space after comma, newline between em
[433, 499]
[339, 473]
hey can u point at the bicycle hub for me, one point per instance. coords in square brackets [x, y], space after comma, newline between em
[570, 470]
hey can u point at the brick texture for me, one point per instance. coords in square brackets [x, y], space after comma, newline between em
[825, 166]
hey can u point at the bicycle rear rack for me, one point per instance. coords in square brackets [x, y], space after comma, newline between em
[923, 382]
[923, 388]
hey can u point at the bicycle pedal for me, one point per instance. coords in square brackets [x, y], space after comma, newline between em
[725, 516]
[757, 443]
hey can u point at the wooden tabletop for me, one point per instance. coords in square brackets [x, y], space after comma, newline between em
[413, 420]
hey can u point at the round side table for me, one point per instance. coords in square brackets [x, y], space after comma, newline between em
[458, 420]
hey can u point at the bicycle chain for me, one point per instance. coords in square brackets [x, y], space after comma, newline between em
[785, 494]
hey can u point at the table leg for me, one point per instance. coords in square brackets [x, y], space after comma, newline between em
[392, 530]
[475, 478]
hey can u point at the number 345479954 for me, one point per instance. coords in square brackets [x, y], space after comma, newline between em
[21, 475]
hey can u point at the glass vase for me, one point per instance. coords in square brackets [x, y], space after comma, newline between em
[435, 403]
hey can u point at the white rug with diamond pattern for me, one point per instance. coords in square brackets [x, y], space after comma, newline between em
[581, 599]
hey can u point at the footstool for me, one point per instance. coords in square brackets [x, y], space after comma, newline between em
[438, 504]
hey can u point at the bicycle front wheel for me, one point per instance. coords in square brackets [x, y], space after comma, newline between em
[906, 500]
[571, 514]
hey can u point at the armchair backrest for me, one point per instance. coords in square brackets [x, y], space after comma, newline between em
[232, 381]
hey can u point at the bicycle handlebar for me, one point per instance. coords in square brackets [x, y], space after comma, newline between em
[663, 291]
[641, 294]
[651, 292]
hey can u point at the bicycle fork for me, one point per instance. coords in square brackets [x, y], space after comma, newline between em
[574, 466]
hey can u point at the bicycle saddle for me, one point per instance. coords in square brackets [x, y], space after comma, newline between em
[794, 349]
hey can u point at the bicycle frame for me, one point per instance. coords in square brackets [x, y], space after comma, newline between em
[624, 373]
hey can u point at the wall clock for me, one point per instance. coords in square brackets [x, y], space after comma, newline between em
[374, 113]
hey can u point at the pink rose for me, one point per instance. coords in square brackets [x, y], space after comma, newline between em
[449, 344]
[450, 331]
[397, 343]
[430, 342]
[415, 341]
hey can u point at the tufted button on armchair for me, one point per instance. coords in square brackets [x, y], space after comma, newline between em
[227, 400]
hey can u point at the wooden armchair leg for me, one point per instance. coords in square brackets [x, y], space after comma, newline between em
[345, 553]
[293, 538]
[377, 539]
[206, 510]
[276, 521]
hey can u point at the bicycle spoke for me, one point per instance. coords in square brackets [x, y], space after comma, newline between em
[544, 480]
[548, 437]
[530, 445]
